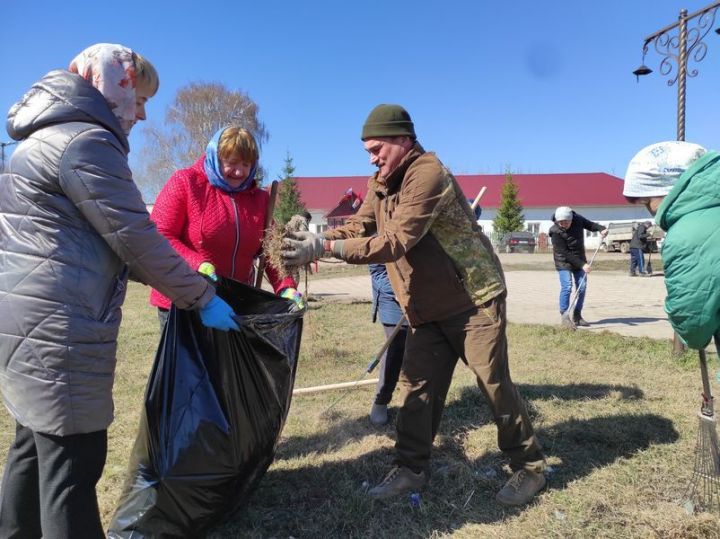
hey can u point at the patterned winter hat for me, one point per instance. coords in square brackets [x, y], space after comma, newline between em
[655, 169]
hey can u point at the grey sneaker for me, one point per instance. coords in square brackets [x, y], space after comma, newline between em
[521, 487]
[379, 415]
[399, 481]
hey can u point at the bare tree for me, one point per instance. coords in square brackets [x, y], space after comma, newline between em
[197, 112]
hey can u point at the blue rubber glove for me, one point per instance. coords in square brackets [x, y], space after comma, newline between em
[218, 315]
[292, 294]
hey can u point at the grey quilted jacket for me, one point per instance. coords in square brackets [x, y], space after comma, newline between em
[73, 227]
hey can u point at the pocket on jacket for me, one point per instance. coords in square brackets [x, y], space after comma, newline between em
[117, 295]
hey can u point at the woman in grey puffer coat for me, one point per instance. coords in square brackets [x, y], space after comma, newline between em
[73, 227]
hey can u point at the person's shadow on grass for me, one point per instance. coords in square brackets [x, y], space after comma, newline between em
[469, 411]
[627, 320]
[310, 493]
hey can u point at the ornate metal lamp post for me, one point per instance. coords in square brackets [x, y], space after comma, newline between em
[675, 48]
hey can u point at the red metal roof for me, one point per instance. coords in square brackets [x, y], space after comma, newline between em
[347, 206]
[534, 190]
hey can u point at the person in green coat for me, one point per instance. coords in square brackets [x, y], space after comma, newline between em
[679, 183]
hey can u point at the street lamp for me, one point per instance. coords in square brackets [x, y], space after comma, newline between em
[675, 50]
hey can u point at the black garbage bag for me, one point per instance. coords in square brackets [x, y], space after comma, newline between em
[215, 405]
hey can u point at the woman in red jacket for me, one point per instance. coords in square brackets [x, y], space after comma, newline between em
[213, 214]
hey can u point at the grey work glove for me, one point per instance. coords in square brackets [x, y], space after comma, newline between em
[301, 247]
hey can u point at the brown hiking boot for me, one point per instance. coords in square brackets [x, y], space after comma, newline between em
[399, 481]
[521, 487]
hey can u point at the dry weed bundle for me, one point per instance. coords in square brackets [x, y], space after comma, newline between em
[273, 245]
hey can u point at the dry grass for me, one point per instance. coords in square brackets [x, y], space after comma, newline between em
[273, 244]
[617, 417]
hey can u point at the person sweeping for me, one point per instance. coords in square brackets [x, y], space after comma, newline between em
[568, 241]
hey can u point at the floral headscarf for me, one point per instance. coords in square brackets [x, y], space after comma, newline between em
[111, 69]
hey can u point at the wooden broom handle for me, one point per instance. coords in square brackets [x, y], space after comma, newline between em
[704, 375]
[478, 197]
[268, 220]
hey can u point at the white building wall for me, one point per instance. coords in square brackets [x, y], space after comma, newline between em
[539, 219]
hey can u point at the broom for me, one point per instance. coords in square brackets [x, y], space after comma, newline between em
[704, 488]
[566, 318]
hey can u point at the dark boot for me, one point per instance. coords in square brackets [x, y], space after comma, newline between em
[578, 320]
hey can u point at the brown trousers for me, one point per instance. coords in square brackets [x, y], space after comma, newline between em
[477, 337]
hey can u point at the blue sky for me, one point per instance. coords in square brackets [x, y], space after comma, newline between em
[537, 86]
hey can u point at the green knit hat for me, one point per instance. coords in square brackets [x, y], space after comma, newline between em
[388, 121]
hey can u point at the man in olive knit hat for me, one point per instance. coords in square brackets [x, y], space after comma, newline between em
[448, 281]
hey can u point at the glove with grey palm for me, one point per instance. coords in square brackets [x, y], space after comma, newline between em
[300, 248]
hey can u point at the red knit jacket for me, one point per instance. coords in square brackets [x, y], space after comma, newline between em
[206, 224]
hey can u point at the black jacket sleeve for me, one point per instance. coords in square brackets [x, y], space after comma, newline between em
[591, 225]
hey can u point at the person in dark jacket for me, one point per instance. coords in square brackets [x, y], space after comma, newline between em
[73, 227]
[568, 242]
[638, 246]
[387, 310]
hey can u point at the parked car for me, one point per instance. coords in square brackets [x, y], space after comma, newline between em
[517, 242]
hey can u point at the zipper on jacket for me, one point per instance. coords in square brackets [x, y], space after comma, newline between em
[237, 236]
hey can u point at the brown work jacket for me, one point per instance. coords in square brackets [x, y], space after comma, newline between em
[418, 222]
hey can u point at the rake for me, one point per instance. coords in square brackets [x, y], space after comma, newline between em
[371, 367]
[704, 488]
[566, 318]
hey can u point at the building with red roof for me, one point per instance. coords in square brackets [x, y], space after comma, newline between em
[595, 195]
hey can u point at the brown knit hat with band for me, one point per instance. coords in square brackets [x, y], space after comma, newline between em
[388, 121]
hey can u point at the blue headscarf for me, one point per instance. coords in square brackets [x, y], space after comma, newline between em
[214, 172]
